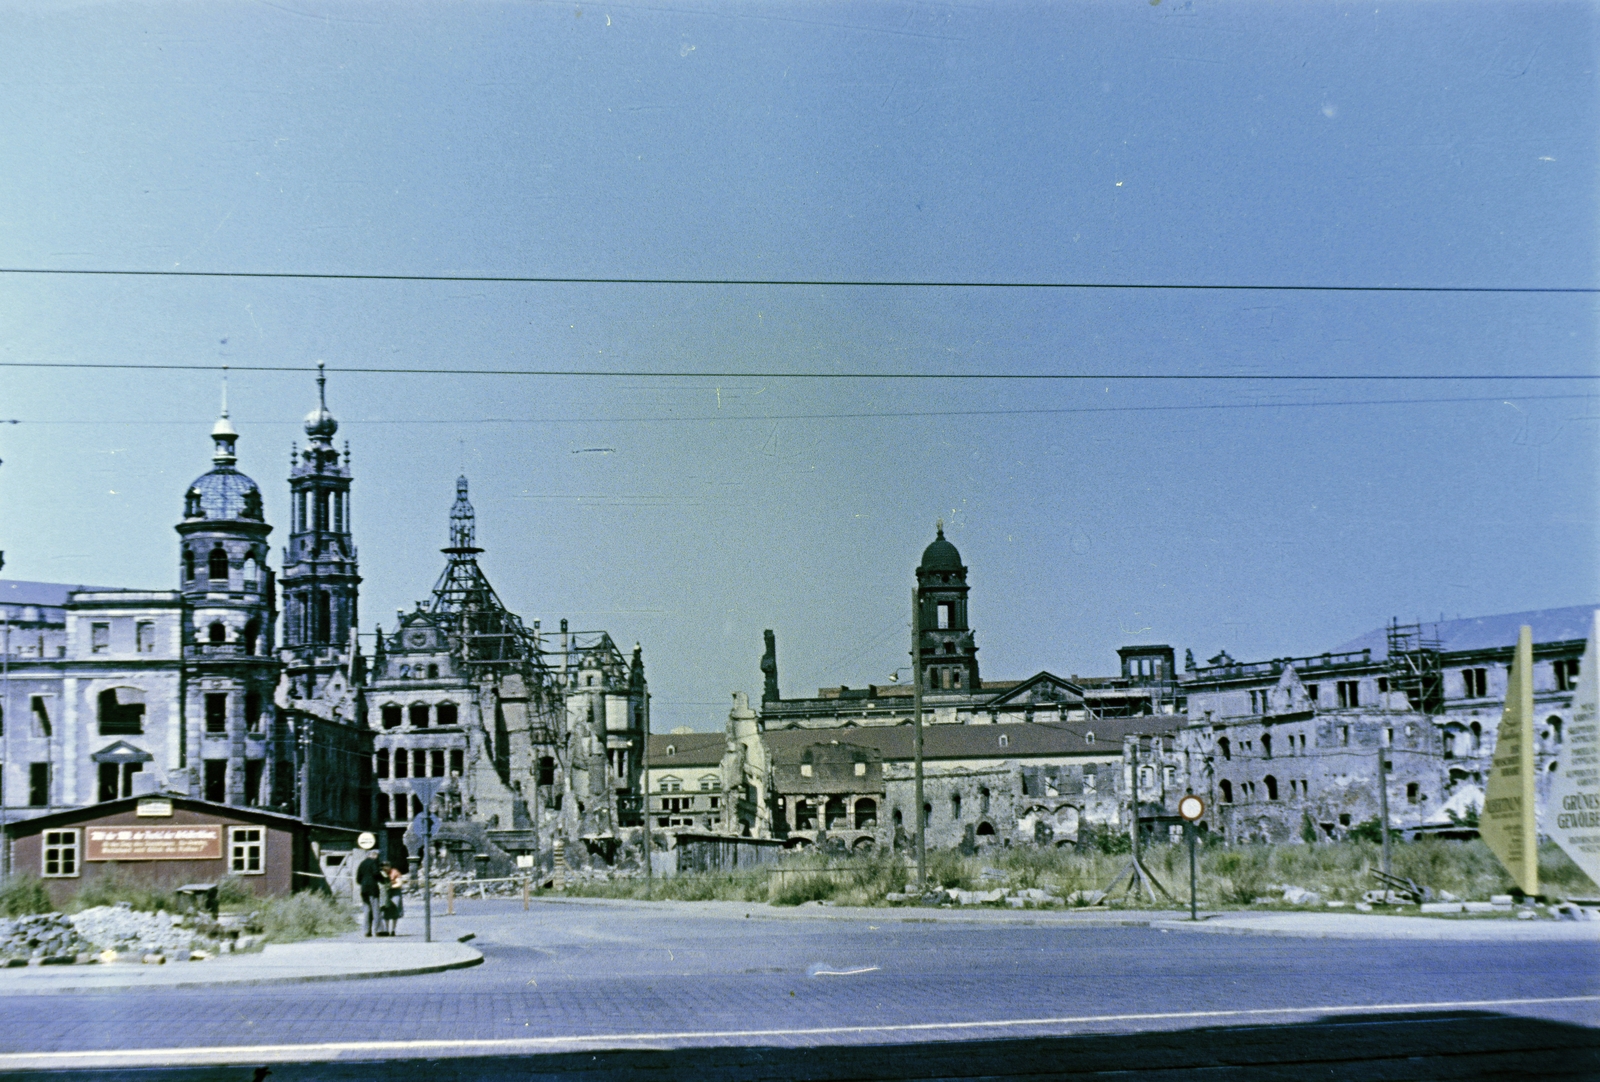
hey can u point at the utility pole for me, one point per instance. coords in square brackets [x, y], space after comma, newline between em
[5, 745]
[1383, 793]
[644, 803]
[916, 733]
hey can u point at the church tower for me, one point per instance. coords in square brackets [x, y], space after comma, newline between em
[949, 655]
[320, 576]
[229, 668]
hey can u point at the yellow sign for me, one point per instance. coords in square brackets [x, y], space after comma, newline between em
[1507, 822]
[199, 842]
[1573, 818]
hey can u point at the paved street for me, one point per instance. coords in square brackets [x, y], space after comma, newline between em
[573, 977]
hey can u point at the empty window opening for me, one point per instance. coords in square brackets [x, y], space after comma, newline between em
[1413, 792]
[1474, 683]
[1349, 693]
[943, 617]
[433, 671]
[1344, 735]
[1555, 728]
[217, 633]
[1225, 787]
[41, 715]
[324, 617]
[446, 713]
[252, 711]
[116, 780]
[391, 716]
[382, 766]
[955, 805]
[1477, 737]
[401, 762]
[866, 814]
[216, 781]
[121, 711]
[217, 565]
[1266, 745]
[436, 763]
[834, 814]
[252, 635]
[1225, 747]
[897, 817]
[1272, 786]
[144, 637]
[188, 565]
[216, 712]
[419, 716]
[1311, 692]
[99, 638]
[1566, 673]
[254, 771]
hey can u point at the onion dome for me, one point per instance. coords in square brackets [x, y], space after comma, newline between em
[320, 424]
[941, 555]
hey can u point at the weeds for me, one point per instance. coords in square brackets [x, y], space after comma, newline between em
[22, 895]
[307, 915]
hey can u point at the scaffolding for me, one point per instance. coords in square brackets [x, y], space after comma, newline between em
[1414, 668]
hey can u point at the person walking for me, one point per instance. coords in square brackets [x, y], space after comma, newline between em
[369, 878]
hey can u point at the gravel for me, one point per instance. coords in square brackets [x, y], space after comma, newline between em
[118, 928]
[43, 935]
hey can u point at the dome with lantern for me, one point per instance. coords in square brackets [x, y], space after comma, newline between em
[223, 493]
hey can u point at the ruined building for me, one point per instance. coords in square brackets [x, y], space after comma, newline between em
[533, 738]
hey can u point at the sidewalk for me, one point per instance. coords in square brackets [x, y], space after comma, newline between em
[1314, 925]
[313, 960]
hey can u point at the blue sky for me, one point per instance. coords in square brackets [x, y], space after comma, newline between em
[1446, 144]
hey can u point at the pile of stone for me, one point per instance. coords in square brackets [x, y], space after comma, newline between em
[1016, 899]
[44, 937]
[123, 929]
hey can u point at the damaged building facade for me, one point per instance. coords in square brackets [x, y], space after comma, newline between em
[210, 691]
[1289, 748]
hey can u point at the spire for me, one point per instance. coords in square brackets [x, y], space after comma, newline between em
[463, 521]
[223, 435]
[320, 425]
[938, 524]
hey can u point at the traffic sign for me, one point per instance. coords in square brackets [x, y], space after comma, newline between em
[1191, 807]
[426, 825]
[426, 789]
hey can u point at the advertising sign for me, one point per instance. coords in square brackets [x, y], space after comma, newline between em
[196, 842]
[1507, 823]
[1575, 789]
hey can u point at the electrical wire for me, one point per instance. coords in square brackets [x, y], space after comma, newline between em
[833, 283]
[621, 373]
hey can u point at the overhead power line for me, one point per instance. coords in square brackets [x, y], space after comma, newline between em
[864, 415]
[621, 373]
[840, 283]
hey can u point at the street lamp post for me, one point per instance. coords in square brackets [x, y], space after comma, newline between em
[916, 738]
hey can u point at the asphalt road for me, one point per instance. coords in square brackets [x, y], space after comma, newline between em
[601, 990]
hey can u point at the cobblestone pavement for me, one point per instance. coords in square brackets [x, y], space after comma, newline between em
[692, 977]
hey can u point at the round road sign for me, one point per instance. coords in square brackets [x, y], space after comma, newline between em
[366, 841]
[1191, 807]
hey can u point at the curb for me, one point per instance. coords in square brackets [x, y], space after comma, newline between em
[210, 979]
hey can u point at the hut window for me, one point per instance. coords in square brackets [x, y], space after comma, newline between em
[60, 854]
[247, 847]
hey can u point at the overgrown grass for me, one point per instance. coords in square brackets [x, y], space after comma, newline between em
[24, 894]
[1229, 876]
[307, 915]
[112, 887]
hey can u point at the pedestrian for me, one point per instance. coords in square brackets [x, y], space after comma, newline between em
[369, 878]
[394, 905]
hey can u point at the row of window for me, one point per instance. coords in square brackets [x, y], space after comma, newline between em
[144, 637]
[327, 512]
[217, 567]
[836, 814]
[60, 854]
[419, 762]
[1474, 685]
[418, 714]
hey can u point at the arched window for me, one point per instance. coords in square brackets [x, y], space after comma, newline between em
[383, 763]
[217, 564]
[1088, 738]
[1555, 728]
[985, 830]
[1266, 745]
[1005, 740]
[252, 632]
[955, 806]
[1477, 738]
[252, 571]
[1224, 746]
[897, 817]
[324, 617]
[1226, 788]
[218, 633]
[834, 816]
[866, 814]
[188, 565]
[983, 801]
[1272, 786]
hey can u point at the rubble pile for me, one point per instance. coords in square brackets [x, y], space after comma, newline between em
[43, 935]
[123, 928]
[1016, 899]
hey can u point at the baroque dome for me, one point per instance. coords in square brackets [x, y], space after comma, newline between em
[941, 555]
[223, 494]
